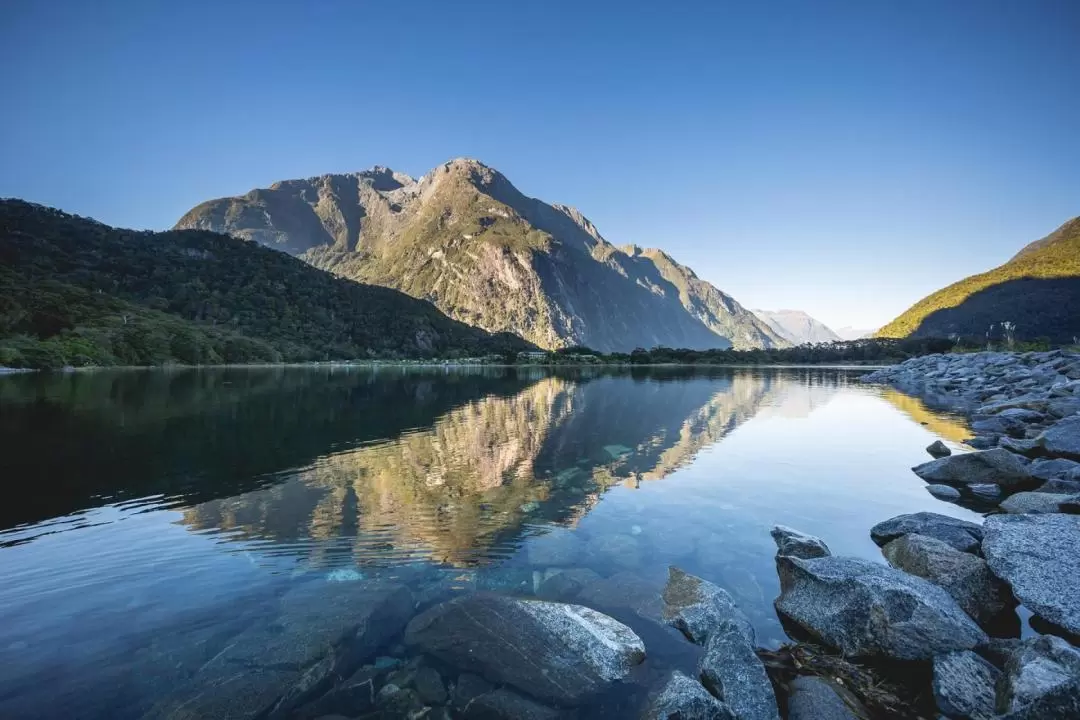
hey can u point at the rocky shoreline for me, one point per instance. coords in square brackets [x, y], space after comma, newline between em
[934, 631]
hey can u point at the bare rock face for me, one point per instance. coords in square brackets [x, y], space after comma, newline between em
[1039, 556]
[964, 576]
[552, 651]
[466, 239]
[868, 610]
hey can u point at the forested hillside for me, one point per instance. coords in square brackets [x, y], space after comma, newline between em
[76, 292]
[1036, 294]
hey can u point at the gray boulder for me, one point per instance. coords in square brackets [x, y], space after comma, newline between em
[944, 492]
[865, 609]
[964, 685]
[1020, 446]
[1041, 681]
[997, 465]
[698, 608]
[798, 544]
[1039, 556]
[1060, 486]
[964, 576]
[1053, 468]
[938, 449]
[987, 492]
[1062, 439]
[732, 671]
[552, 651]
[813, 698]
[683, 698]
[961, 534]
[1034, 502]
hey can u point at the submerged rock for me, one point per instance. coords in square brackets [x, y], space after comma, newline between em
[960, 534]
[566, 585]
[559, 548]
[1041, 681]
[964, 685]
[624, 591]
[698, 608]
[552, 651]
[998, 466]
[938, 449]
[1039, 556]
[943, 492]
[503, 704]
[683, 698]
[868, 610]
[813, 698]
[732, 671]
[621, 551]
[798, 544]
[964, 576]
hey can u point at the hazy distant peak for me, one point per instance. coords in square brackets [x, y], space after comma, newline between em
[796, 326]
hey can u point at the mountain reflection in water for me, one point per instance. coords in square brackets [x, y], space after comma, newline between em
[149, 516]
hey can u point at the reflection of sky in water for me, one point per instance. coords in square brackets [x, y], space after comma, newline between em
[690, 471]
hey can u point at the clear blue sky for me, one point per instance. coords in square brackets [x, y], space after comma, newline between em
[844, 158]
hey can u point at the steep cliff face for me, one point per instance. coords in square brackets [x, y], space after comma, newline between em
[466, 239]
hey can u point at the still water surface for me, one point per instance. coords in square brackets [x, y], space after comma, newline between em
[149, 517]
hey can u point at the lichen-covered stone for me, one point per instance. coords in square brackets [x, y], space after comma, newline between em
[698, 608]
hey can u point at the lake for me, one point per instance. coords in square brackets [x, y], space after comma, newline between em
[154, 522]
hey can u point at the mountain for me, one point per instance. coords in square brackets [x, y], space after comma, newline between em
[853, 333]
[797, 327]
[1037, 291]
[466, 239]
[76, 292]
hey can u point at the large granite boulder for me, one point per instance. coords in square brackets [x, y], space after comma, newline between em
[964, 685]
[960, 534]
[1054, 468]
[997, 465]
[865, 609]
[698, 608]
[798, 544]
[732, 671]
[964, 576]
[1039, 556]
[552, 651]
[1041, 681]
[683, 698]
[1062, 439]
[1035, 502]
[814, 698]
[323, 631]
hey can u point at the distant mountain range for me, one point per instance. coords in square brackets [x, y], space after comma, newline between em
[1037, 293]
[464, 238]
[853, 333]
[797, 327]
[76, 292]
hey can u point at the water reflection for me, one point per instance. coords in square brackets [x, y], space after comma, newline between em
[142, 509]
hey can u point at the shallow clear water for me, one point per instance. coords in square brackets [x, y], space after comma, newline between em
[150, 518]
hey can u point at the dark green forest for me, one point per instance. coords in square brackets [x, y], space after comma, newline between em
[76, 292]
